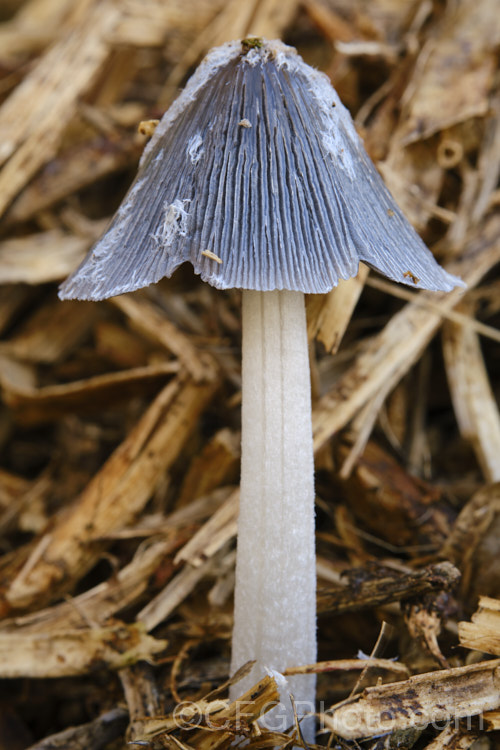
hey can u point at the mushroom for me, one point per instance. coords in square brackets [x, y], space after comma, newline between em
[256, 175]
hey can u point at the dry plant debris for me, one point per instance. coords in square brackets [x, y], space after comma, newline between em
[119, 421]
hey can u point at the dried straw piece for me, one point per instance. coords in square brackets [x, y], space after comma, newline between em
[42, 257]
[37, 405]
[475, 406]
[434, 696]
[53, 653]
[208, 724]
[34, 117]
[144, 317]
[328, 315]
[474, 542]
[216, 465]
[96, 605]
[69, 172]
[452, 82]
[453, 738]
[345, 665]
[218, 530]
[162, 605]
[113, 497]
[483, 633]
[399, 344]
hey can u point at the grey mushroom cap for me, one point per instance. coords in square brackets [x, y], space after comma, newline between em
[257, 177]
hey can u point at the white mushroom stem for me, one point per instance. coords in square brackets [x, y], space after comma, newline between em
[275, 593]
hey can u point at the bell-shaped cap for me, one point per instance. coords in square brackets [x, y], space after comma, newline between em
[257, 177]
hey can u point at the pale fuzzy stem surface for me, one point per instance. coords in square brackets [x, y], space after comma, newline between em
[275, 595]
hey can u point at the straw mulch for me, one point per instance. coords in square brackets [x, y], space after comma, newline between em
[119, 421]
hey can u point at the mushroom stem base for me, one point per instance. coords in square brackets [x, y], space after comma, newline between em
[275, 594]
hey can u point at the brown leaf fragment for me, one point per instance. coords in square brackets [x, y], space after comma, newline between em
[113, 497]
[431, 697]
[396, 506]
[74, 652]
[365, 590]
[483, 633]
[458, 71]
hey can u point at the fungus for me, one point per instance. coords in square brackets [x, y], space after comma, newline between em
[256, 175]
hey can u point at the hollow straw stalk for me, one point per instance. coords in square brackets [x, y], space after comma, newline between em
[275, 593]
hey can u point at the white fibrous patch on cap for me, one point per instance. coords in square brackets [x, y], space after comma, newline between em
[113, 235]
[195, 148]
[339, 136]
[273, 50]
[130, 199]
[255, 56]
[160, 156]
[215, 60]
[174, 224]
